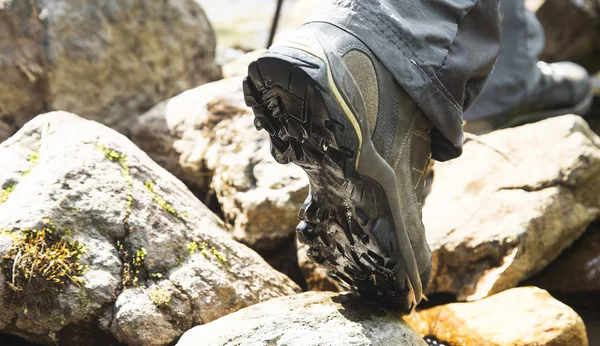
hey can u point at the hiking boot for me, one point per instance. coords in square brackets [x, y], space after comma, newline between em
[564, 88]
[333, 109]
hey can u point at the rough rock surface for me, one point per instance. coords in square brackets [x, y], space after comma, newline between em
[312, 318]
[507, 208]
[207, 138]
[525, 316]
[316, 277]
[155, 261]
[103, 60]
[22, 67]
[577, 269]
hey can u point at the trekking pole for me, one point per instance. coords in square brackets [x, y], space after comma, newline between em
[275, 22]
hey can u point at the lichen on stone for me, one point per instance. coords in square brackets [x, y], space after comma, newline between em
[161, 297]
[33, 159]
[205, 249]
[162, 202]
[6, 192]
[116, 156]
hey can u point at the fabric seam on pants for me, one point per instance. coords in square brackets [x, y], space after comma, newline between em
[403, 50]
[406, 47]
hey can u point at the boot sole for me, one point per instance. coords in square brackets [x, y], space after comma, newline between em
[581, 108]
[347, 219]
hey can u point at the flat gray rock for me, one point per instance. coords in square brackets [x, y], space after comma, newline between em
[311, 318]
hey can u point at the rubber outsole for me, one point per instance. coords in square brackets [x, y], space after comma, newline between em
[346, 219]
[581, 108]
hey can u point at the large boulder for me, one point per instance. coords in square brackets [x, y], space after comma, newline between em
[103, 60]
[94, 234]
[312, 318]
[23, 82]
[511, 204]
[207, 138]
[577, 269]
[526, 316]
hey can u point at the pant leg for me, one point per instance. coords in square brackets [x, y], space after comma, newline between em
[516, 74]
[441, 52]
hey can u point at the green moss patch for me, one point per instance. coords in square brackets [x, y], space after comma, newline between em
[161, 297]
[33, 159]
[207, 250]
[121, 158]
[133, 265]
[162, 202]
[42, 261]
[6, 192]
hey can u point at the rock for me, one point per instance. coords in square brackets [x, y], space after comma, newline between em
[311, 318]
[138, 252]
[571, 29]
[22, 66]
[207, 138]
[105, 61]
[520, 316]
[316, 277]
[577, 269]
[510, 204]
[239, 66]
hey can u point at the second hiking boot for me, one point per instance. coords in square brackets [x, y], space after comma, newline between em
[333, 109]
[564, 88]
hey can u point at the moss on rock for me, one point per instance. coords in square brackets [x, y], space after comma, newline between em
[206, 249]
[162, 202]
[42, 261]
[161, 297]
[6, 192]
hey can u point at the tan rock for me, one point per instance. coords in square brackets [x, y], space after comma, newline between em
[106, 62]
[153, 260]
[577, 269]
[507, 208]
[311, 318]
[210, 142]
[520, 316]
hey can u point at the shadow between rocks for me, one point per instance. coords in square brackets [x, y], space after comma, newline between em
[11, 340]
[284, 258]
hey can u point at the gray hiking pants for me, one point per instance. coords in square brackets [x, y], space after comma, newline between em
[442, 53]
